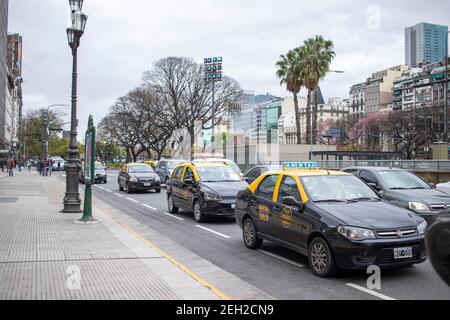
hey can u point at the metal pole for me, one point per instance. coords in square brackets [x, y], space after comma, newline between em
[446, 94]
[72, 200]
[213, 118]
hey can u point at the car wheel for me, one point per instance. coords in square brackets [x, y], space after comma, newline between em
[158, 190]
[171, 205]
[199, 216]
[120, 187]
[128, 188]
[250, 236]
[321, 258]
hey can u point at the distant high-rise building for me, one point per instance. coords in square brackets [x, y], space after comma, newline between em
[425, 43]
[3, 70]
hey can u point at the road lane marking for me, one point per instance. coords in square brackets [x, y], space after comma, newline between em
[119, 195]
[132, 200]
[108, 190]
[164, 213]
[174, 261]
[101, 188]
[372, 292]
[172, 216]
[150, 207]
[282, 259]
[212, 231]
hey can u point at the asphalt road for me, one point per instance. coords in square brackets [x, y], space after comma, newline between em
[280, 272]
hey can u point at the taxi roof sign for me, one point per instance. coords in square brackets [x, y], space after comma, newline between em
[301, 165]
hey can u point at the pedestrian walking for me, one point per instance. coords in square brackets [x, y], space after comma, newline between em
[49, 166]
[3, 165]
[29, 165]
[11, 165]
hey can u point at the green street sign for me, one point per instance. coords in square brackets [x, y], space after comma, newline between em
[89, 170]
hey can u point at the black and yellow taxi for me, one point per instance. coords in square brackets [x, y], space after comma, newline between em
[332, 217]
[205, 188]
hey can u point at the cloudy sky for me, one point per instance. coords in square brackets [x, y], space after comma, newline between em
[125, 37]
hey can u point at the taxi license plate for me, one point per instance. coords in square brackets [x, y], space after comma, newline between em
[403, 253]
[147, 184]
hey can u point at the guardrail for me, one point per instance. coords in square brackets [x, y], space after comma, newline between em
[414, 165]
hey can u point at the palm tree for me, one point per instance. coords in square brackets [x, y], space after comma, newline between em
[289, 71]
[317, 55]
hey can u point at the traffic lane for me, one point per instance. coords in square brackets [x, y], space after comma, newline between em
[418, 282]
[159, 201]
[292, 258]
[276, 277]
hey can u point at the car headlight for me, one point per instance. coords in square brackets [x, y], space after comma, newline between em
[134, 179]
[356, 234]
[418, 207]
[157, 179]
[422, 227]
[212, 197]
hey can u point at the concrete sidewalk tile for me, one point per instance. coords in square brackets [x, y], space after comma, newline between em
[43, 253]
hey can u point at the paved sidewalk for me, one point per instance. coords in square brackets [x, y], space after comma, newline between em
[44, 254]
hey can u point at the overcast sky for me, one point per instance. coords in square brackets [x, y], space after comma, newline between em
[125, 37]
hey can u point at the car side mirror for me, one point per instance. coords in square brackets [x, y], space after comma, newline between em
[374, 186]
[292, 202]
[248, 180]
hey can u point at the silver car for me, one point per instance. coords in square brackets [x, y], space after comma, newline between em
[165, 167]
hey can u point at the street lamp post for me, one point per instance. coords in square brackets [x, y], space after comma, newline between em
[446, 93]
[213, 73]
[72, 200]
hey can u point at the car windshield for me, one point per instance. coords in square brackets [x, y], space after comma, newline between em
[337, 189]
[99, 167]
[140, 169]
[172, 164]
[402, 180]
[218, 174]
[234, 166]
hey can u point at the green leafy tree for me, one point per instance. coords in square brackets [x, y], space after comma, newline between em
[289, 71]
[316, 57]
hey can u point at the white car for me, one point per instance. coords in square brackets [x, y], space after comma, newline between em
[55, 166]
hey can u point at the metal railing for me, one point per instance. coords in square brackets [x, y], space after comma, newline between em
[414, 165]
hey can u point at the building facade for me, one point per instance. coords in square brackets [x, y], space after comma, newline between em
[333, 110]
[420, 88]
[3, 70]
[13, 103]
[379, 87]
[257, 118]
[425, 43]
[356, 101]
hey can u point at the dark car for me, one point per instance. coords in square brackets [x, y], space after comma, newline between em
[404, 189]
[255, 172]
[164, 168]
[99, 172]
[207, 189]
[138, 177]
[331, 217]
